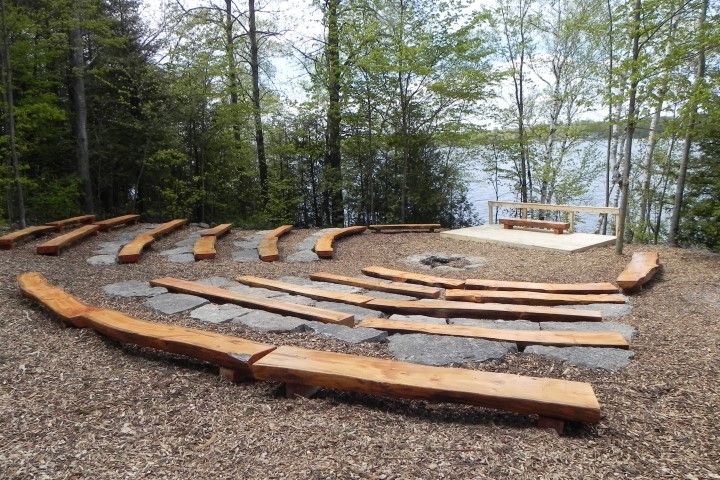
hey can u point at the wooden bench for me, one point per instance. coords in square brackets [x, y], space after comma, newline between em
[204, 248]
[310, 292]
[251, 301]
[430, 227]
[56, 244]
[324, 244]
[370, 284]
[217, 231]
[268, 246]
[576, 288]
[62, 304]
[522, 338]
[110, 223]
[556, 399]
[448, 309]
[411, 277]
[131, 251]
[7, 241]
[79, 220]
[531, 298]
[642, 268]
[167, 228]
[557, 227]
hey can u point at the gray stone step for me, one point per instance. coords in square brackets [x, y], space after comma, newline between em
[133, 288]
[445, 350]
[169, 303]
[600, 358]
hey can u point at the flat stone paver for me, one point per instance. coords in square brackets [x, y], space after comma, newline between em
[176, 251]
[219, 313]
[261, 321]
[181, 258]
[101, 260]
[497, 324]
[333, 287]
[302, 257]
[297, 299]
[257, 292]
[590, 357]
[627, 331]
[220, 282]
[445, 350]
[169, 303]
[188, 242]
[388, 295]
[348, 334]
[133, 288]
[360, 313]
[418, 319]
[303, 250]
[109, 248]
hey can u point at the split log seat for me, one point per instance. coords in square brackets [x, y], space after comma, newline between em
[251, 301]
[56, 244]
[557, 399]
[7, 241]
[411, 277]
[204, 247]
[522, 338]
[110, 223]
[310, 292]
[370, 284]
[642, 268]
[167, 228]
[55, 299]
[324, 244]
[79, 220]
[430, 227]
[130, 252]
[531, 298]
[268, 247]
[557, 227]
[217, 231]
[575, 288]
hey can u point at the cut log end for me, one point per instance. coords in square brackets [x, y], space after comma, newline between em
[234, 376]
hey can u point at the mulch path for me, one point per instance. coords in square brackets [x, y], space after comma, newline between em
[75, 405]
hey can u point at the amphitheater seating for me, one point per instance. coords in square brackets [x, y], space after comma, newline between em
[7, 241]
[268, 246]
[557, 227]
[110, 223]
[79, 220]
[575, 288]
[642, 268]
[217, 231]
[131, 252]
[370, 284]
[56, 244]
[167, 228]
[310, 292]
[324, 245]
[411, 277]
[204, 247]
[413, 227]
[531, 298]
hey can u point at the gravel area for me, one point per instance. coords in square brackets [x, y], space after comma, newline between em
[75, 405]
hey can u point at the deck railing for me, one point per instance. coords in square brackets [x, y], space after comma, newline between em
[571, 209]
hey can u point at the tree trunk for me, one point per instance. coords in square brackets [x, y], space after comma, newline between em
[648, 167]
[610, 115]
[232, 68]
[333, 171]
[257, 112]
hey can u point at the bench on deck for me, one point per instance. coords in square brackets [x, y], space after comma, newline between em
[217, 231]
[79, 220]
[642, 268]
[522, 338]
[110, 223]
[268, 246]
[324, 245]
[557, 227]
[411, 277]
[310, 292]
[7, 241]
[576, 288]
[370, 284]
[299, 368]
[56, 244]
[251, 301]
[531, 298]
[411, 227]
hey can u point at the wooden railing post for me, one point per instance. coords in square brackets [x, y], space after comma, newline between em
[572, 221]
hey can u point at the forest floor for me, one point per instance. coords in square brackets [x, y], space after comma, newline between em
[75, 405]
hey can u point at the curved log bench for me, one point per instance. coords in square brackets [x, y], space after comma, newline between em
[55, 299]
[56, 244]
[204, 248]
[557, 227]
[310, 292]
[79, 220]
[411, 277]
[531, 298]
[324, 244]
[576, 288]
[268, 246]
[110, 223]
[642, 268]
[167, 228]
[370, 284]
[7, 241]
[411, 227]
[131, 251]
[522, 338]
[217, 231]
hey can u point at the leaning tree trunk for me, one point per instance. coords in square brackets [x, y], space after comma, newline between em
[257, 116]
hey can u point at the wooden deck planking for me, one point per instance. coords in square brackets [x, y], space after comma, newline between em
[575, 288]
[111, 223]
[411, 277]
[557, 227]
[8, 240]
[56, 244]
[370, 284]
[531, 298]
[311, 292]
[324, 245]
[642, 268]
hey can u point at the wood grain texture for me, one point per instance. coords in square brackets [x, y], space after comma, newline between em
[642, 268]
[268, 246]
[370, 284]
[557, 227]
[217, 231]
[55, 245]
[560, 338]
[111, 223]
[311, 292]
[576, 288]
[324, 244]
[521, 297]
[553, 398]
[8, 240]
[79, 220]
[204, 247]
[430, 227]
[68, 308]
[267, 304]
[411, 277]
[167, 228]
[131, 251]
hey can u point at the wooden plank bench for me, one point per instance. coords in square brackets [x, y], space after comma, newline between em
[523, 338]
[217, 231]
[370, 284]
[310, 292]
[79, 220]
[167, 228]
[411, 277]
[642, 268]
[55, 299]
[204, 248]
[7, 241]
[556, 399]
[531, 298]
[413, 227]
[268, 247]
[131, 251]
[557, 227]
[324, 244]
[504, 311]
[575, 288]
[56, 244]
[110, 223]
[251, 301]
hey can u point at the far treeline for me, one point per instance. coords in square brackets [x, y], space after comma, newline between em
[404, 102]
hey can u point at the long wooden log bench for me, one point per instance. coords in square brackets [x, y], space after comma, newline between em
[167, 228]
[131, 251]
[7, 241]
[56, 244]
[324, 244]
[251, 301]
[204, 248]
[412, 227]
[522, 338]
[68, 308]
[110, 223]
[557, 227]
[216, 231]
[268, 247]
[531, 298]
[370, 284]
[642, 268]
[411, 277]
[503, 311]
[310, 292]
[575, 288]
[79, 220]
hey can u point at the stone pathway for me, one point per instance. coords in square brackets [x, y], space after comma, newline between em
[602, 358]
[304, 250]
[247, 247]
[107, 251]
[182, 251]
[445, 350]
